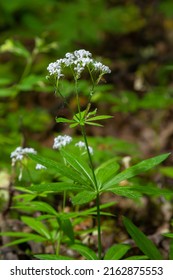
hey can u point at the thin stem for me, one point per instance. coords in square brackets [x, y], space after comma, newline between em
[93, 84]
[77, 96]
[89, 155]
[83, 130]
[98, 197]
[99, 226]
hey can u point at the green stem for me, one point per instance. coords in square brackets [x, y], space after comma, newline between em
[77, 96]
[93, 84]
[98, 196]
[83, 130]
[99, 227]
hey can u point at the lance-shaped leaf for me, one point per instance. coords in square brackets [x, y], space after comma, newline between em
[83, 197]
[142, 241]
[151, 190]
[93, 123]
[55, 187]
[64, 120]
[133, 191]
[79, 165]
[106, 171]
[141, 167]
[124, 191]
[116, 252]
[60, 168]
[38, 206]
[101, 117]
[84, 251]
[67, 227]
[22, 237]
[36, 225]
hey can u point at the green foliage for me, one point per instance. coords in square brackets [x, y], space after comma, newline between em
[116, 252]
[37, 226]
[142, 241]
[135, 170]
[106, 171]
[106, 182]
[83, 118]
[84, 251]
[22, 237]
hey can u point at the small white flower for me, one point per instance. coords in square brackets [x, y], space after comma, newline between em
[82, 53]
[98, 66]
[77, 61]
[56, 68]
[40, 166]
[19, 153]
[81, 145]
[61, 141]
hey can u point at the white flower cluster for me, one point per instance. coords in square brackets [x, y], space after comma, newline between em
[19, 153]
[77, 61]
[61, 141]
[40, 166]
[81, 144]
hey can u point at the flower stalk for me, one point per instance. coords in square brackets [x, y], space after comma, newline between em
[77, 62]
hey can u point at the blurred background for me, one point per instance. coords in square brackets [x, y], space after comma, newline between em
[134, 38]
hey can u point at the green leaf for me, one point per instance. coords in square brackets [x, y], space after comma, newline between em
[125, 191]
[73, 125]
[51, 257]
[60, 168]
[79, 165]
[170, 235]
[93, 123]
[16, 242]
[64, 120]
[101, 117]
[83, 197]
[142, 241]
[67, 228]
[55, 187]
[25, 197]
[84, 251]
[106, 171]
[40, 206]
[24, 237]
[116, 252]
[30, 236]
[151, 190]
[36, 225]
[141, 167]
[167, 171]
[134, 191]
